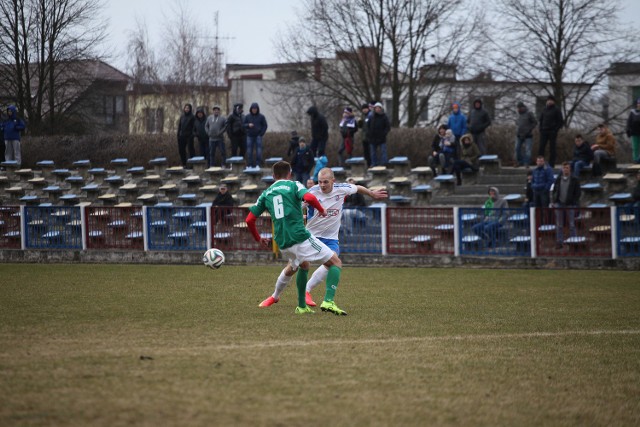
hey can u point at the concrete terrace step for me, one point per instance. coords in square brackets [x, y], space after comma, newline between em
[473, 200]
[484, 188]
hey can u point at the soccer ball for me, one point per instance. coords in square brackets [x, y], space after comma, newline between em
[213, 258]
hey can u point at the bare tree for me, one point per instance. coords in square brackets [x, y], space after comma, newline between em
[565, 45]
[42, 44]
[359, 50]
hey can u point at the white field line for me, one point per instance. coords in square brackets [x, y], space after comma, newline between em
[369, 341]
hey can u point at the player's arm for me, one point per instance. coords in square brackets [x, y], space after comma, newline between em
[313, 202]
[251, 224]
[374, 194]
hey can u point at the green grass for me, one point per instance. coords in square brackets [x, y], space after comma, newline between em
[419, 347]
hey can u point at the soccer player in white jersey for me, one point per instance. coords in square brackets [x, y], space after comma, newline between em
[325, 228]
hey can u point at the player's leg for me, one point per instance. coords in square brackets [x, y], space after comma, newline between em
[281, 283]
[301, 282]
[334, 264]
[317, 277]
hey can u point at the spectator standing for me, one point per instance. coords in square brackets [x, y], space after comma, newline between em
[348, 128]
[541, 182]
[478, 122]
[256, 126]
[378, 128]
[362, 124]
[302, 162]
[319, 131]
[525, 124]
[236, 131]
[457, 123]
[215, 127]
[469, 158]
[201, 133]
[566, 194]
[603, 149]
[186, 125]
[293, 144]
[633, 131]
[494, 218]
[12, 125]
[551, 121]
[582, 156]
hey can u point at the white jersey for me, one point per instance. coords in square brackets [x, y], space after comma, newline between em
[328, 226]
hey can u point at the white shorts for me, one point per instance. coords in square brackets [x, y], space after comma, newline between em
[312, 250]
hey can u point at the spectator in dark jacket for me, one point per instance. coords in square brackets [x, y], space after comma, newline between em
[186, 126]
[566, 194]
[551, 121]
[362, 124]
[582, 156]
[201, 133]
[256, 126]
[525, 124]
[378, 129]
[293, 143]
[633, 131]
[223, 199]
[348, 127]
[468, 158]
[478, 122]
[236, 132]
[319, 132]
[11, 127]
[541, 182]
[302, 162]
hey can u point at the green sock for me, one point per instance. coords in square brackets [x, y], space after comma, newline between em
[301, 283]
[333, 278]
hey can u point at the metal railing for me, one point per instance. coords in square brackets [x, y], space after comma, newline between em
[610, 232]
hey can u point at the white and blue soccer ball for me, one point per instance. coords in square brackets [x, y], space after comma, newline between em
[213, 258]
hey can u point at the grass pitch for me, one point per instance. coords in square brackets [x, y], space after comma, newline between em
[109, 345]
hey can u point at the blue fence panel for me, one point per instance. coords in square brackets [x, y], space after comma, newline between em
[420, 230]
[628, 222]
[497, 232]
[175, 228]
[361, 230]
[53, 227]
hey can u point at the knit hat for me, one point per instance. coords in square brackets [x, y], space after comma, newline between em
[377, 104]
[363, 106]
[348, 110]
[302, 139]
[294, 134]
[551, 98]
[521, 104]
[216, 107]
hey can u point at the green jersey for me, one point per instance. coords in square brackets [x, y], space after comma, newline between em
[283, 200]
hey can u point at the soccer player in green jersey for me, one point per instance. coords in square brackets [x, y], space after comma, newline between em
[283, 199]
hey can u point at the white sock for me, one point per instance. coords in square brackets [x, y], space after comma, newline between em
[281, 284]
[317, 277]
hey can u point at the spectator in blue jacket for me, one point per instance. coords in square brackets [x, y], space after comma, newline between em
[458, 124]
[11, 126]
[541, 182]
[256, 126]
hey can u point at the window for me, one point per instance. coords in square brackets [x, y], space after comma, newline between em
[119, 104]
[108, 110]
[154, 120]
[635, 94]
[424, 114]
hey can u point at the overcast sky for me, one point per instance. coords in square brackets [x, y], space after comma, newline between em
[247, 28]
